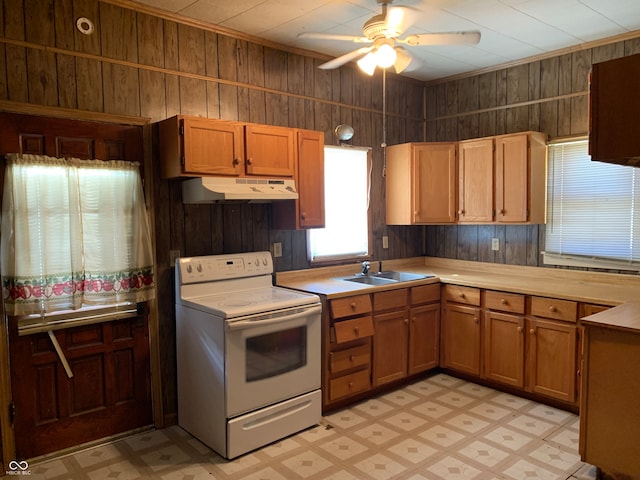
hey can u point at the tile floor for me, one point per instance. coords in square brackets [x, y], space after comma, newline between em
[437, 428]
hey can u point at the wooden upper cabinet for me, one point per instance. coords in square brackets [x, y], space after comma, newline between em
[270, 151]
[421, 183]
[308, 210]
[613, 114]
[520, 178]
[195, 146]
[476, 167]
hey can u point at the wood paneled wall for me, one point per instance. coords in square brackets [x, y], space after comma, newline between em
[150, 65]
[548, 95]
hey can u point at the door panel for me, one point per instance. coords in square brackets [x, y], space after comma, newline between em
[110, 391]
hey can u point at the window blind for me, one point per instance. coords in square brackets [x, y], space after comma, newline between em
[593, 216]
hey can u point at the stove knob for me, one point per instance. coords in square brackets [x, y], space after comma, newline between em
[264, 261]
[189, 268]
[257, 262]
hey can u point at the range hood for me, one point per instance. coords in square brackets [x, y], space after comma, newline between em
[217, 189]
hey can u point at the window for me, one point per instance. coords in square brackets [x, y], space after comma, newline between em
[74, 233]
[593, 211]
[347, 173]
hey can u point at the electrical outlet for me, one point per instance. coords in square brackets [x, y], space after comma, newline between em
[495, 244]
[385, 242]
[277, 249]
[173, 254]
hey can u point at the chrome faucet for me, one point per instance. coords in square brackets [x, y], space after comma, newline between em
[366, 265]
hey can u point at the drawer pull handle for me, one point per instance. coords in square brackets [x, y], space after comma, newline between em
[351, 358]
[353, 305]
[553, 309]
[356, 330]
[461, 295]
[503, 301]
[350, 385]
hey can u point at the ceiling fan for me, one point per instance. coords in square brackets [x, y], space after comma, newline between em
[383, 32]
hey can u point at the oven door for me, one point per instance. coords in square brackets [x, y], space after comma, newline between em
[271, 357]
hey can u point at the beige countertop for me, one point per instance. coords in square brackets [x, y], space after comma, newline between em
[623, 317]
[591, 287]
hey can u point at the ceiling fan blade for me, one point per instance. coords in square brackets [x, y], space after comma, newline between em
[448, 38]
[333, 36]
[346, 58]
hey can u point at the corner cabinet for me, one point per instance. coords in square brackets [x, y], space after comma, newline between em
[499, 179]
[195, 146]
[421, 183]
[308, 210]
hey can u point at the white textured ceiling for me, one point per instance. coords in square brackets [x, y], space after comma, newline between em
[511, 29]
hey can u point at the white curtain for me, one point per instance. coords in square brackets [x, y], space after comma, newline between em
[74, 233]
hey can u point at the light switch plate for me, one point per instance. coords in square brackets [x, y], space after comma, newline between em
[495, 244]
[277, 249]
[385, 242]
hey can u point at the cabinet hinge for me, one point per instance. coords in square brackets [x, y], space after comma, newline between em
[182, 160]
[181, 129]
[12, 412]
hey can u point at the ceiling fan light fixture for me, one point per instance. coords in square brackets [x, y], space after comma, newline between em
[403, 59]
[385, 55]
[368, 63]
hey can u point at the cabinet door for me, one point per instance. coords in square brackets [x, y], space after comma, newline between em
[310, 179]
[552, 359]
[269, 151]
[390, 347]
[461, 338]
[212, 147]
[434, 183]
[512, 178]
[504, 348]
[475, 167]
[424, 338]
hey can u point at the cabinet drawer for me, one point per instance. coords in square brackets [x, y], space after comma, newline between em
[349, 384]
[553, 308]
[350, 306]
[504, 302]
[349, 330]
[391, 300]
[458, 294]
[350, 358]
[425, 294]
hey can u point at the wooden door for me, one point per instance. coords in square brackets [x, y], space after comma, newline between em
[424, 338]
[110, 390]
[504, 348]
[389, 347]
[512, 178]
[212, 147]
[551, 361]
[434, 183]
[270, 151]
[461, 338]
[476, 166]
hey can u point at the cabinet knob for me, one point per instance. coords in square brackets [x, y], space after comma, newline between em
[353, 305]
[303, 215]
[351, 358]
[503, 211]
[350, 385]
[520, 329]
[406, 321]
[249, 161]
[504, 301]
[235, 162]
[462, 295]
[460, 212]
[476, 319]
[356, 330]
[553, 309]
[532, 331]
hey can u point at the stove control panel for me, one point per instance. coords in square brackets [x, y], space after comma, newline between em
[223, 267]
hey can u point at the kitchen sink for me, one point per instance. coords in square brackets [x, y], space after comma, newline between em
[385, 278]
[402, 276]
[369, 279]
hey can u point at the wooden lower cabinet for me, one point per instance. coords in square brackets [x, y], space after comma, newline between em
[461, 338]
[552, 369]
[390, 344]
[504, 348]
[424, 337]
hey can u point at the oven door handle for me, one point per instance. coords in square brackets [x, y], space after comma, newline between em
[244, 324]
